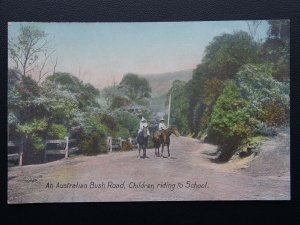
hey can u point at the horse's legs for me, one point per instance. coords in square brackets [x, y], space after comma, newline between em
[144, 152]
[157, 152]
[139, 151]
[168, 151]
[162, 150]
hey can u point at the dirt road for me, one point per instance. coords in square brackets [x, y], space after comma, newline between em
[187, 175]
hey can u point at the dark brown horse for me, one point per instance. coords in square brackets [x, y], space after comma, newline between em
[142, 140]
[156, 139]
[164, 139]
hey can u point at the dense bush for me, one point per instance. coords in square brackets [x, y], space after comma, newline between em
[230, 117]
[93, 139]
[128, 121]
[247, 106]
[119, 102]
[223, 58]
[57, 131]
[33, 132]
[179, 106]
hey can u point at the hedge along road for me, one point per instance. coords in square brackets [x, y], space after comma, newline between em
[187, 175]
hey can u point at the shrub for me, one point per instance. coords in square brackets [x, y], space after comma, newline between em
[123, 132]
[57, 131]
[120, 101]
[128, 121]
[93, 139]
[33, 132]
[230, 117]
[247, 107]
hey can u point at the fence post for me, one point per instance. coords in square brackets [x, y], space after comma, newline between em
[109, 142]
[21, 152]
[67, 147]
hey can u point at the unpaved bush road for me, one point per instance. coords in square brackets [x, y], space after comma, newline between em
[188, 163]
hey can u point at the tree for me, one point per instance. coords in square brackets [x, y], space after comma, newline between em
[179, 106]
[276, 48]
[29, 50]
[135, 87]
[85, 94]
[248, 106]
[223, 58]
[253, 28]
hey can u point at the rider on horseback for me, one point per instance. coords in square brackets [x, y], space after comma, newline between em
[143, 123]
[162, 125]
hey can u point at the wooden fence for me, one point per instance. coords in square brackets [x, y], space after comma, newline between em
[60, 147]
[120, 144]
[68, 146]
[15, 152]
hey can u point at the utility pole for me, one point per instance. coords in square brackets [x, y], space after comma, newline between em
[114, 91]
[169, 114]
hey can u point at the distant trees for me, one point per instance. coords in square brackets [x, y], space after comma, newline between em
[30, 50]
[135, 87]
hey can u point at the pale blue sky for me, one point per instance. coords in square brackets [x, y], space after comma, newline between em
[102, 52]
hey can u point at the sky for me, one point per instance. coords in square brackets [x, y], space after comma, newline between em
[101, 53]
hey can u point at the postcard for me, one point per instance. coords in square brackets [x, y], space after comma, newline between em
[148, 111]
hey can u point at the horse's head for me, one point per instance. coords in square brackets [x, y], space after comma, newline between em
[175, 131]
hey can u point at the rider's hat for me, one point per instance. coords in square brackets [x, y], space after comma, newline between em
[162, 119]
[143, 119]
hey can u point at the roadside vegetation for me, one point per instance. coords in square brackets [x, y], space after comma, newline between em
[238, 94]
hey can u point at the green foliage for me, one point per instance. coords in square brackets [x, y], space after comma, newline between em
[33, 132]
[135, 87]
[179, 106]
[110, 123]
[224, 56]
[119, 102]
[57, 131]
[29, 129]
[228, 52]
[60, 106]
[276, 48]
[85, 94]
[248, 104]
[128, 121]
[123, 132]
[93, 140]
[264, 94]
[230, 117]
[37, 143]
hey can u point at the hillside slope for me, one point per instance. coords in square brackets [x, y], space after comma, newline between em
[161, 83]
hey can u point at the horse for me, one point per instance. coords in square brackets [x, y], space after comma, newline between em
[142, 140]
[165, 139]
[156, 139]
